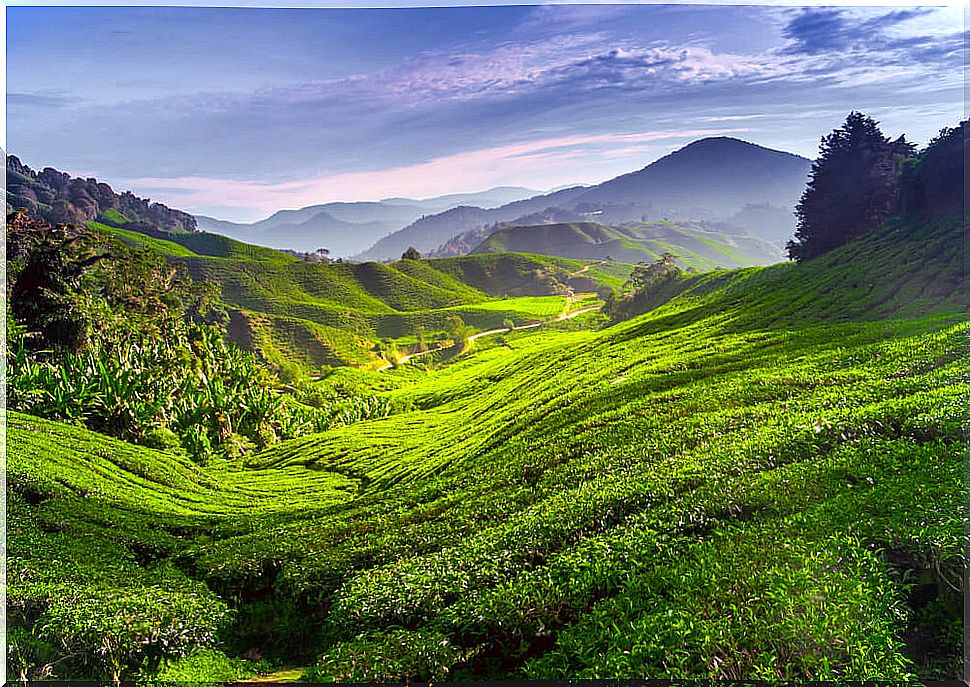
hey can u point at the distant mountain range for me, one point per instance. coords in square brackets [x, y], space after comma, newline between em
[349, 228]
[716, 179]
[713, 190]
[695, 245]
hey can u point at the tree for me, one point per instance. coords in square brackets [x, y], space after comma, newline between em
[411, 254]
[457, 330]
[421, 336]
[932, 184]
[644, 276]
[45, 278]
[852, 187]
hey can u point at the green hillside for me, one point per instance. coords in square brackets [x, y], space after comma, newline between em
[693, 245]
[314, 314]
[759, 478]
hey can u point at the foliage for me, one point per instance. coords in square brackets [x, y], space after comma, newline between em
[932, 186]
[852, 187]
[647, 285]
[395, 656]
[203, 665]
[411, 254]
[457, 331]
[153, 366]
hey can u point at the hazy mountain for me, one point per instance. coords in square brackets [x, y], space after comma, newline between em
[694, 245]
[430, 232]
[771, 223]
[346, 228]
[713, 179]
[492, 198]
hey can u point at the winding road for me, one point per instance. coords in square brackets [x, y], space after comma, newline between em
[565, 315]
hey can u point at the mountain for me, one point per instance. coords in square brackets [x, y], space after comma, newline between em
[710, 179]
[775, 224]
[347, 228]
[59, 198]
[320, 230]
[694, 245]
[430, 232]
[492, 198]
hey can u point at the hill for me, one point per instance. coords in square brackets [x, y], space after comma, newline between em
[59, 198]
[428, 233]
[759, 478]
[348, 228]
[287, 309]
[710, 179]
[695, 247]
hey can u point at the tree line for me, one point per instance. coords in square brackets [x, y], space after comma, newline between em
[862, 177]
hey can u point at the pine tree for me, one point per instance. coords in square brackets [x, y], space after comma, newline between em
[851, 189]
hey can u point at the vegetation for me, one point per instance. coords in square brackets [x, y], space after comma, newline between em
[852, 187]
[697, 247]
[749, 474]
[689, 474]
[411, 254]
[125, 343]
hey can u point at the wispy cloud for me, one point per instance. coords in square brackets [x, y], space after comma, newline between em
[309, 106]
[42, 99]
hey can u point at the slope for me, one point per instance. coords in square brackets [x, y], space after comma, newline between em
[695, 246]
[315, 314]
[739, 484]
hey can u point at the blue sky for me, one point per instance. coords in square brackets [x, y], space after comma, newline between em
[237, 112]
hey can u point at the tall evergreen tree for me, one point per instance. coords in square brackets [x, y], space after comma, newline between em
[932, 185]
[851, 189]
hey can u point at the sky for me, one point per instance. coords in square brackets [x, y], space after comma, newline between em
[237, 112]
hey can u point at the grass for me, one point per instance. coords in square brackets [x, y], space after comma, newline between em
[759, 478]
[695, 247]
[134, 238]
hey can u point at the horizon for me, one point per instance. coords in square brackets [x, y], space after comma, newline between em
[365, 105]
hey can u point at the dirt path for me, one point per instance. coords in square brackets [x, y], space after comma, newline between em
[284, 675]
[564, 315]
[586, 267]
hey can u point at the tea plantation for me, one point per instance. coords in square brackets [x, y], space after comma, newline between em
[761, 477]
[309, 314]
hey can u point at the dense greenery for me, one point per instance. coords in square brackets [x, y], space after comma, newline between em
[760, 477]
[852, 187]
[126, 343]
[932, 185]
[745, 474]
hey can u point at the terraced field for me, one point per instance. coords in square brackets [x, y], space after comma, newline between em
[314, 315]
[761, 477]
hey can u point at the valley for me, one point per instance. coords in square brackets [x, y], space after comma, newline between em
[624, 449]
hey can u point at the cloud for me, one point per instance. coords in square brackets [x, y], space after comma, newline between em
[41, 99]
[816, 31]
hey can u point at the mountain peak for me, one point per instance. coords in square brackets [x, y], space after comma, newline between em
[728, 145]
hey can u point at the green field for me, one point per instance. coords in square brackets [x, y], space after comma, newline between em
[695, 247]
[761, 477]
[315, 315]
